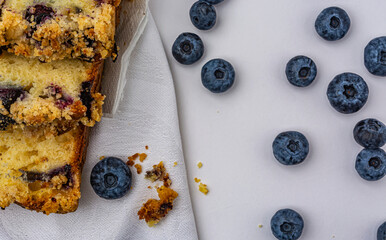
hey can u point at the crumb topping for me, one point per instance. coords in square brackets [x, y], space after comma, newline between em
[199, 164]
[203, 188]
[139, 168]
[154, 210]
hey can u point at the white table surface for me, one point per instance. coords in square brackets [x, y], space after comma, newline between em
[232, 133]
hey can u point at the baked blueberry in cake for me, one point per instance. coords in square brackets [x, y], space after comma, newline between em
[41, 171]
[57, 29]
[34, 93]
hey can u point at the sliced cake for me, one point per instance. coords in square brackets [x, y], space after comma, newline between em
[41, 171]
[53, 93]
[57, 29]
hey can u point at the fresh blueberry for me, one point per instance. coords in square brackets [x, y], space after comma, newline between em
[212, 1]
[111, 178]
[370, 164]
[203, 15]
[301, 71]
[347, 93]
[188, 48]
[381, 233]
[290, 148]
[217, 75]
[375, 56]
[370, 133]
[287, 224]
[332, 23]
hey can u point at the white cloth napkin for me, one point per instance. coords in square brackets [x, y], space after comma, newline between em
[147, 116]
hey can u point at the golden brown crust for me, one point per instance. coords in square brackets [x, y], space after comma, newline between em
[88, 34]
[63, 200]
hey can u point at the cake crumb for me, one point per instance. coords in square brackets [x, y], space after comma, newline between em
[154, 210]
[142, 157]
[139, 168]
[199, 164]
[156, 173]
[133, 157]
[203, 188]
[130, 163]
[260, 225]
[197, 180]
[101, 158]
[175, 164]
[149, 187]
[147, 147]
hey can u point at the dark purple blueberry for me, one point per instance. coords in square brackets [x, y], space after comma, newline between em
[203, 15]
[188, 48]
[381, 233]
[371, 164]
[40, 13]
[10, 95]
[5, 121]
[332, 23]
[86, 98]
[287, 224]
[370, 133]
[111, 178]
[347, 93]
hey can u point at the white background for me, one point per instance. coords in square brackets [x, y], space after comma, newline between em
[232, 133]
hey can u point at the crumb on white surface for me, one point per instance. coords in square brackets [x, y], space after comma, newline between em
[199, 164]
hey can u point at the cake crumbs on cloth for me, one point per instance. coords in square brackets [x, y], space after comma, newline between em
[203, 188]
[260, 226]
[139, 168]
[154, 210]
[142, 157]
[175, 164]
[133, 158]
[199, 164]
[159, 173]
[197, 180]
[101, 158]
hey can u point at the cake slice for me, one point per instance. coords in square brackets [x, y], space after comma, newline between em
[41, 171]
[58, 29]
[60, 93]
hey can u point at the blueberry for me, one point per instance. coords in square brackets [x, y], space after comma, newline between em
[217, 75]
[375, 56]
[111, 178]
[332, 23]
[370, 133]
[212, 1]
[287, 224]
[188, 48]
[301, 71]
[39, 13]
[381, 233]
[9, 95]
[290, 148]
[203, 15]
[370, 164]
[347, 93]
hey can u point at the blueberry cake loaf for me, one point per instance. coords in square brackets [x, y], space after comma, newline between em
[42, 172]
[56, 93]
[58, 29]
